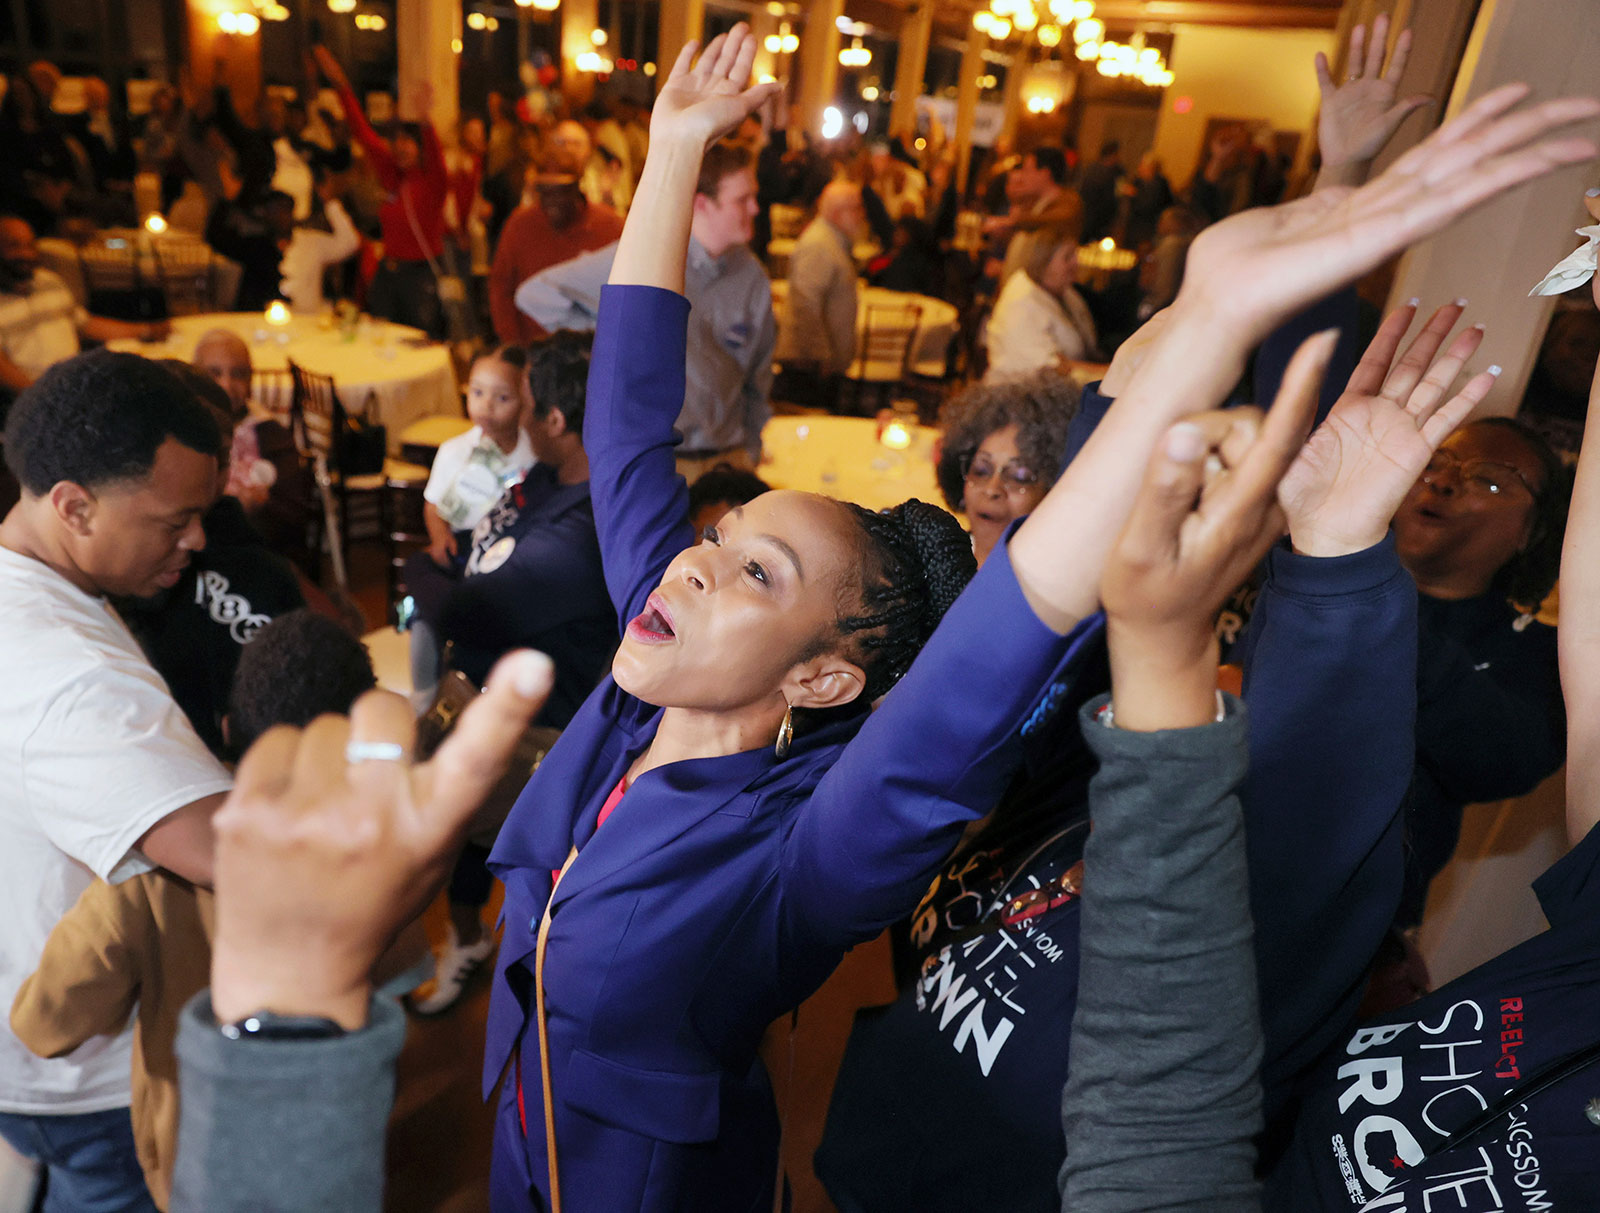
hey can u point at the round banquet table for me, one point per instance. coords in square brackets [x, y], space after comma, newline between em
[405, 376]
[842, 457]
[935, 327]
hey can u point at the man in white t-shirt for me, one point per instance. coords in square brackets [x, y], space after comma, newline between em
[40, 321]
[104, 775]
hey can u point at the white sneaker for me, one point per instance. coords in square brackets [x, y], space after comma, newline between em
[453, 968]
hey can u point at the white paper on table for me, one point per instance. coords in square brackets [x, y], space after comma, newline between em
[1574, 269]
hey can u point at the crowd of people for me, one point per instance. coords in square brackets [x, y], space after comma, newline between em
[501, 229]
[1146, 769]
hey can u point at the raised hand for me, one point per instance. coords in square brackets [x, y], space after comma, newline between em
[1204, 517]
[707, 100]
[1344, 488]
[1361, 115]
[331, 70]
[1259, 266]
[320, 860]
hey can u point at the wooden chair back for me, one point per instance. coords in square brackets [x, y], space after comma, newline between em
[886, 343]
[187, 272]
[316, 417]
[273, 391]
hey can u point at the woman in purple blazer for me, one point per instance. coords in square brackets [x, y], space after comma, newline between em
[724, 817]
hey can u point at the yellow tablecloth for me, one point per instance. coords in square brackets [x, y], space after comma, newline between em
[390, 364]
[842, 457]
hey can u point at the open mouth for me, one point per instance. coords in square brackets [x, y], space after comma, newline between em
[653, 625]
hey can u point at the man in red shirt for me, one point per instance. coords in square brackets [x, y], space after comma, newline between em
[559, 225]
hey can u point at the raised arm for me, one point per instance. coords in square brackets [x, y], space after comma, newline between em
[377, 149]
[636, 375]
[697, 105]
[1162, 1103]
[1330, 677]
[320, 862]
[433, 165]
[1579, 634]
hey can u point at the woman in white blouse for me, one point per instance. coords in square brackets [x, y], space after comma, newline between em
[1039, 321]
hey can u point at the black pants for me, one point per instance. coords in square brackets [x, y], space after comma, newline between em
[406, 293]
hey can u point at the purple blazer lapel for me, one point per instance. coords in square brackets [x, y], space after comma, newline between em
[660, 807]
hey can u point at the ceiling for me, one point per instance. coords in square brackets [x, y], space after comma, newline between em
[952, 16]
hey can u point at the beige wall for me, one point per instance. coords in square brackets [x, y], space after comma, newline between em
[1494, 255]
[1133, 126]
[1236, 73]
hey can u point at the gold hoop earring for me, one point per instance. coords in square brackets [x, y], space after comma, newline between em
[785, 733]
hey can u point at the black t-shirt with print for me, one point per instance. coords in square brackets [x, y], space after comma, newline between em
[950, 1097]
[1403, 1083]
[195, 632]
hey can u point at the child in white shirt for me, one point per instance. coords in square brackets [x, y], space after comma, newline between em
[473, 470]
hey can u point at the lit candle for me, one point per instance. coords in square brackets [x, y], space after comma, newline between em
[155, 225]
[1108, 244]
[277, 313]
[895, 436]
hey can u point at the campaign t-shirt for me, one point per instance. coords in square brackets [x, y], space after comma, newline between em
[195, 632]
[93, 752]
[950, 1097]
[1403, 1083]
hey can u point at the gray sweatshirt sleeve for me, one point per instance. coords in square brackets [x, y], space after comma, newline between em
[283, 1126]
[1163, 1097]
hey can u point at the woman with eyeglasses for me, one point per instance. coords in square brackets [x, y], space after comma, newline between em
[1001, 450]
[1481, 533]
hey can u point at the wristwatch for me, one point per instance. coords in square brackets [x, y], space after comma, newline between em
[264, 1025]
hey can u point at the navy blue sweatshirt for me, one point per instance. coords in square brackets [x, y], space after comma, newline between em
[949, 1097]
[1490, 724]
[533, 579]
[1404, 1082]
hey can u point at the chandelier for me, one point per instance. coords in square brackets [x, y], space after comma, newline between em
[1047, 22]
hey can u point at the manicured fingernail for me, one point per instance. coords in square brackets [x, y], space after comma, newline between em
[1480, 326]
[1496, 371]
[1594, 193]
[533, 674]
[1185, 442]
[1413, 302]
[1461, 303]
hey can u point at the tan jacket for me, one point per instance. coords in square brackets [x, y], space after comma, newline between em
[817, 325]
[145, 944]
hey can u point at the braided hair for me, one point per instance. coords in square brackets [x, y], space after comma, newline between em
[915, 560]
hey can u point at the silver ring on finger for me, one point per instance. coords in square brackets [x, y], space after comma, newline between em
[374, 751]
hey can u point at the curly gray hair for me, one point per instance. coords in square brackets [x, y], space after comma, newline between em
[1039, 405]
